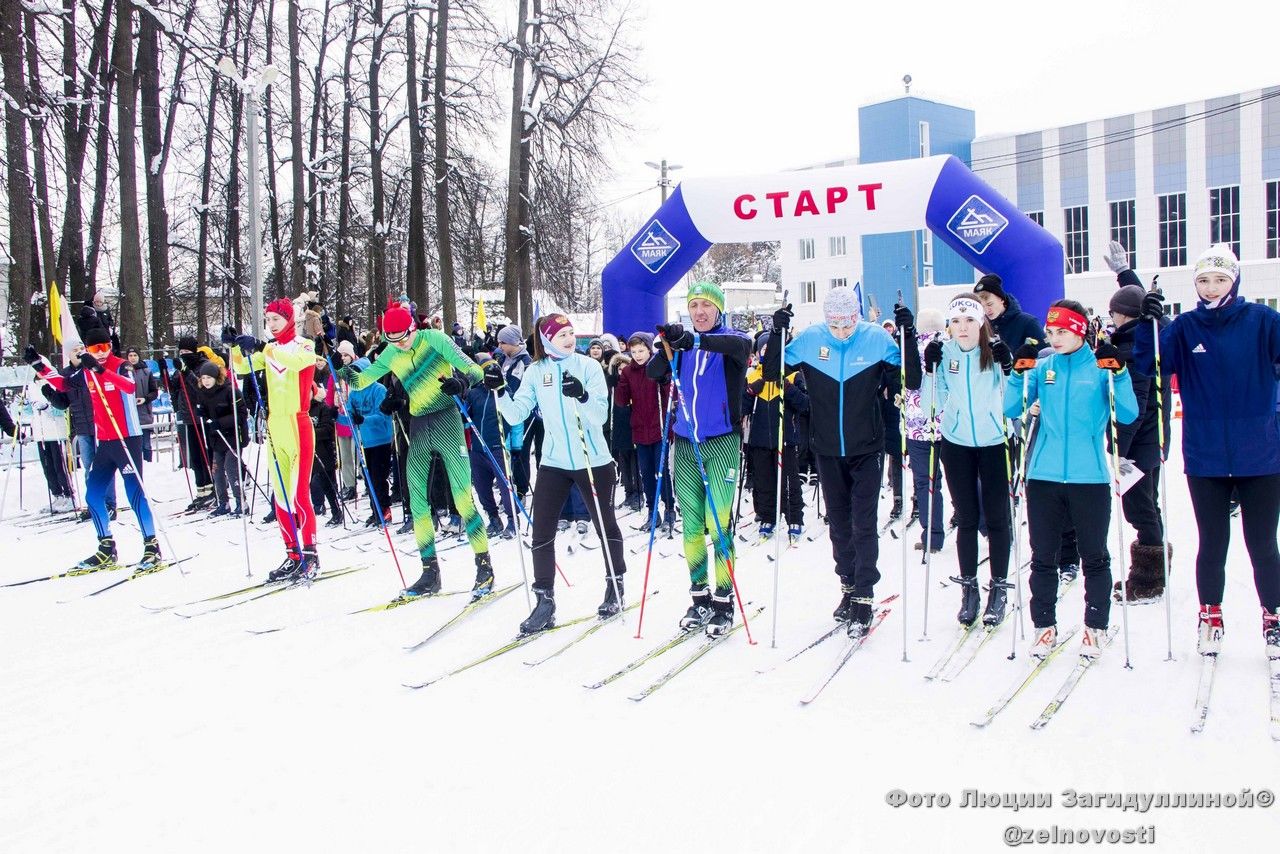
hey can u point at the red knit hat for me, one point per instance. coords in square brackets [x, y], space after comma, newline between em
[282, 307]
[396, 322]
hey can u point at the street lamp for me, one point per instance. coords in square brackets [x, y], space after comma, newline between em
[252, 87]
[664, 168]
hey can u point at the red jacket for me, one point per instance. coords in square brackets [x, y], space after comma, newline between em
[115, 410]
[648, 402]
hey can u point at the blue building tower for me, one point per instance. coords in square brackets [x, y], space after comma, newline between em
[901, 129]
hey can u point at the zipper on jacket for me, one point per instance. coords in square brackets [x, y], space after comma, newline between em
[844, 364]
[564, 420]
[968, 387]
[1066, 422]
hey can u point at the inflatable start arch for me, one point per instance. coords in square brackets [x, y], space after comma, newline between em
[984, 227]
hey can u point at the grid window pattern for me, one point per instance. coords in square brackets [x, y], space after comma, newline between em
[1224, 217]
[808, 292]
[1075, 229]
[840, 283]
[806, 249]
[1037, 217]
[1124, 228]
[1273, 219]
[1172, 229]
[837, 246]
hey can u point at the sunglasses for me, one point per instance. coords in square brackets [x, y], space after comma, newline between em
[394, 337]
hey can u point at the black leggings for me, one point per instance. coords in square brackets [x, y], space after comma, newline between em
[1259, 512]
[965, 467]
[549, 496]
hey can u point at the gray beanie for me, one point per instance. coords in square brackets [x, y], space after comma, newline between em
[840, 305]
[510, 335]
[1128, 301]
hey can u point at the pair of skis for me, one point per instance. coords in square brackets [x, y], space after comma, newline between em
[1204, 692]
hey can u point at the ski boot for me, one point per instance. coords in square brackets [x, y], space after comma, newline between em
[238, 511]
[969, 600]
[860, 614]
[915, 511]
[699, 612]
[1046, 640]
[454, 528]
[286, 569]
[103, 558]
[509, 532]
[669, 524]
[220, 510]
[721, 616]
[636, 502]
[494, 530]
[270, 517]
[406, 527]
[428, 583]
[151, 559]
[543, 615]
[308, 566]
[841, 613]
[612, 603]
[1211, 630]
[794, 532]
[348, 494]
[766, 531]
[562, 525]
[1091, 642]
[1271, 633]
[582, 528]
[647, 525]
[896, 512]
[1067, 574]
[997, 602]
[336, 521]
[484, 577]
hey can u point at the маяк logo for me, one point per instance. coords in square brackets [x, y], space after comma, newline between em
[654, 247]
[977, 223]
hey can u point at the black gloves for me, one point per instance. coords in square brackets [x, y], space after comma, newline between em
[1025, 358]
[90, 364]
[904, 319]
[1108, 357]
[676, 336]
[357, 419]
[933, 356]
[571, 386]
[389, 405]
[493, 379]
[247, 344]
[228, 335]
[31, 356]
[190, 361]
[782, 317]
[452, 386]
[1000, 352]
[1153, 305]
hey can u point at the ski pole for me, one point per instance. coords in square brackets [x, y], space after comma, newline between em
[511, 499]
[595, 498]
[725, 545]
[902, 431]
[1119, 513]
[1164, 509]
[777, 516]
[926, 521]
[657, 496]
[191, 413]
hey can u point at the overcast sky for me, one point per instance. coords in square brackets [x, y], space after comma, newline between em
[745, 87]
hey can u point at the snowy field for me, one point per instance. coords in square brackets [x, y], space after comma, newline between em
[123, 729]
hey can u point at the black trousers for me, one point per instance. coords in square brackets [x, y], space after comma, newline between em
[55, 469]
[764, 480]
[965, 467]
[1259, 513]
[324, 478]
[194, 454]
[1141, 506]
[549, 496]
[1051, 509]
[852, 489]
[378, 460]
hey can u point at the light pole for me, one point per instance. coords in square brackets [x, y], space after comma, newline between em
[663, 182]
[252, 87]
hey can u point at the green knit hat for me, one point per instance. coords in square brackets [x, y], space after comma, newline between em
[707, 291]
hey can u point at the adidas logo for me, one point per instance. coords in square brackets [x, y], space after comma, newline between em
[1199, 348]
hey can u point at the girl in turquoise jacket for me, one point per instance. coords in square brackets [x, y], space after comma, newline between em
[1068, 475]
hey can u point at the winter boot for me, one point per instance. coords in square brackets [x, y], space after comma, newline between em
[969, 600]
[1211, 630]
[428, 583]
[1146, 575]
[494, 530]
[699, 612]
[308, 566]
[860, 613]
[286, 569]
[841, 613]
[151, 558]
[612, 603]
[543, 615]
[484, 576]
[721, 615]
[997, 602]
[1091, 642]
[103, 558]
[1046, 640]
[1271, 633]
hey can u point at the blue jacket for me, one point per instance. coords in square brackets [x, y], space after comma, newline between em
[712, 379]
[1070, 444]
[485, 415]
[970, 399]
[1225, 361]
[540, 387]
[1015, 327]
[376, 428]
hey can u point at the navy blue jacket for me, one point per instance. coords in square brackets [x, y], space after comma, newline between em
[485, 415]
[1015, 327]
[712, 378]
[1225, 361]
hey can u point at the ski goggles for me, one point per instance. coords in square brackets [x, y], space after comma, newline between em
[99, 351]
[393, 337]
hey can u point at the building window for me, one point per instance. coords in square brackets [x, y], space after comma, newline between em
[1224, 217]
[1037, 217]
[1124, 229]
[808, 292]
[837, 246]
[1268, 301]
[1172, 229]
[840, 283]
[1174, 309]
[1075, 228]
[1273, 219]
[806, 249]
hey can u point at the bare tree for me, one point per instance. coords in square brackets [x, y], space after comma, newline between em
[443, 229]
[342, 243]
[21, 237]
[378, 235]
[416, 274]
[298, 276]
[133, 315]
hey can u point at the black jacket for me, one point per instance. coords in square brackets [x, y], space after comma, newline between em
[75, 399]
[1015, 327]
[1140, 439]
[761, 405]
[214, 404]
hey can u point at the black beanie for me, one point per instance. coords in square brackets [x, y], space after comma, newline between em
[1128, 301]
[210, 369]
[96, 335]
[188, 342]
[991, 284]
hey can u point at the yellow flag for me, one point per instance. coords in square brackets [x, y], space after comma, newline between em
[481, 324]
[55, 313]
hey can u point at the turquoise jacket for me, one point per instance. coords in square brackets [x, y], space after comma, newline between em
[1075, 413]
[563, 417]
[971, 400]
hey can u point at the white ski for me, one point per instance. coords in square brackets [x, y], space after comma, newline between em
[1208, 667]
[1036, 668]
[1072, 680]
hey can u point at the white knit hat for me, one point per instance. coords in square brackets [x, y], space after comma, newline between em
[1218, 258]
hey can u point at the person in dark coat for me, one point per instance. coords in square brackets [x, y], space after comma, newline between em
[227, 429]
[1014, 326]
[183, 384]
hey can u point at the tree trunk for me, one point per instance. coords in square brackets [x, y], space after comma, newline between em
[273, 207]
[102, 162]
[517, 172]
[317, 90]
[38, 121]
[232, 264]
[15, 139]
[298, 276]
[416, 275]
[341, 269]
[378, 233]
[206, 180]
[153, 156]
[443, 228]
[133, 310]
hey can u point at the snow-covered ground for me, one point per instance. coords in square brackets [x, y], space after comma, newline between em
[123, 729]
